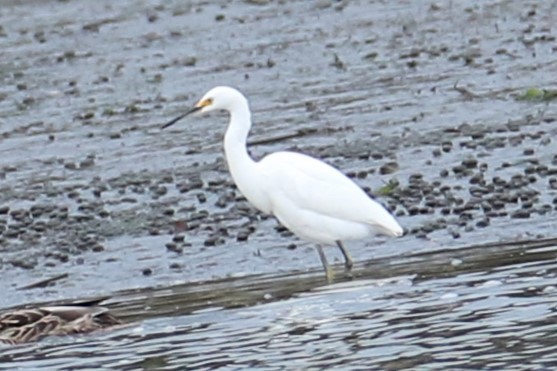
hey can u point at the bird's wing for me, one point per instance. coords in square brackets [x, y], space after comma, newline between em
[72, 312]
[314, 185]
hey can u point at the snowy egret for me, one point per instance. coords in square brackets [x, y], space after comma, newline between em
[312, 199]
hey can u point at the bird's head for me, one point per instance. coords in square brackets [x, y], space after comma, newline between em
[218, 98]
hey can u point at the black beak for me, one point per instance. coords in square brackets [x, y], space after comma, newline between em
[173, 121]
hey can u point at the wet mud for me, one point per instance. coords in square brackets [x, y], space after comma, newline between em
[422, 104]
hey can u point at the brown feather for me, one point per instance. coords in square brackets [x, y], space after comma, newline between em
[28, 325]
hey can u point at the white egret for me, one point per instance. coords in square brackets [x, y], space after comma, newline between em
[312, 199]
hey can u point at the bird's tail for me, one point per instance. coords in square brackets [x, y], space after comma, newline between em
[387, 225]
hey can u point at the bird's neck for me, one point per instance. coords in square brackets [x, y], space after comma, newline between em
[235, 139]
[244, 171]
[240, 163]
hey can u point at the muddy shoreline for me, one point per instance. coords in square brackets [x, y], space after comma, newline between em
[413, 102]
[91, 186]
[425, 105]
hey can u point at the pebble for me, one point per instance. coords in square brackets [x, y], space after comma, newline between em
[388, 168]
[147, 272]
[168, 212]
[446, 146]
[178, 238]
[482, 223]
[520, 214]
[97, 248]
[175, 266]
[191, 184]
[171, 246]
[242, 235]
[213, 241]
[470, 163]
[528, 152]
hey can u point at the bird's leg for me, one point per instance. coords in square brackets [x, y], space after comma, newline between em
[347, 258]
[328, 271]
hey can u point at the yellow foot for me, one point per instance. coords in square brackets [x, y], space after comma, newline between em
[329, 274]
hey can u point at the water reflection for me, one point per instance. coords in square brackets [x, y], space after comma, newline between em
[493, 309]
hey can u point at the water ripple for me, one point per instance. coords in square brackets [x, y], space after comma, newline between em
[484, 316]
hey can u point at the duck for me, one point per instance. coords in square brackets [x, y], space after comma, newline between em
[28, 325]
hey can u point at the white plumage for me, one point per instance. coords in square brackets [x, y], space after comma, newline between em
[309, 197]
[316, 188]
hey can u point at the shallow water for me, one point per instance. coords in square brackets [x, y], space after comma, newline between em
[489, 307]
[94, 189]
